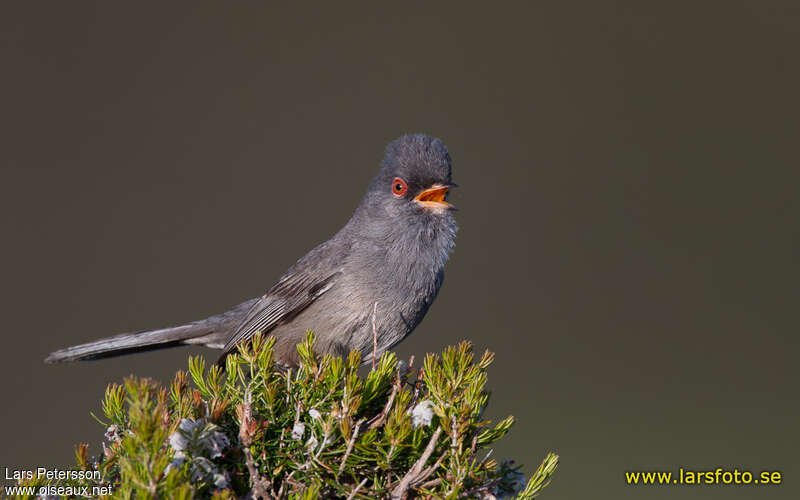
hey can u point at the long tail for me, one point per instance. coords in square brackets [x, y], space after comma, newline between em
[211, 332]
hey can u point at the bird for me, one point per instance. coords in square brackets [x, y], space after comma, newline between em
[365, 289]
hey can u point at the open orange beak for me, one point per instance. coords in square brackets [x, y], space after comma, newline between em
[434, 197]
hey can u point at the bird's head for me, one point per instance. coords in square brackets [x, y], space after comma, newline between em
[414, 179]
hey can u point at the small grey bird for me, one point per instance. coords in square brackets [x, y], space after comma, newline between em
[385, 265]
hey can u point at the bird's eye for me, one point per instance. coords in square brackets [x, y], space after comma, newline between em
[399, 187]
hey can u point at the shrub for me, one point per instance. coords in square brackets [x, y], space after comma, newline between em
[316, 431]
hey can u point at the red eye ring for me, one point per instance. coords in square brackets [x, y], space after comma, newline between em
[399, 187]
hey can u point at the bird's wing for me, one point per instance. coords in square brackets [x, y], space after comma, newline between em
[296, 290]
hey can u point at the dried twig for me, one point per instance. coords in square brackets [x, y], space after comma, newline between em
[247, 428]
[381, 418]
[284, 483]
[350, 447]
[431, 483]
[483, 488]
[260, 485]
[430, 470]
[352, 494]
[374, 335]
[415, 473]
[418, 383]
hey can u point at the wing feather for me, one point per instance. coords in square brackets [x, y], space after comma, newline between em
[304, 283]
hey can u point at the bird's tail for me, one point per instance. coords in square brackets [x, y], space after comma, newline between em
[211, 332]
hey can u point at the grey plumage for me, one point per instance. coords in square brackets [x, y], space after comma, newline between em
[388, 258]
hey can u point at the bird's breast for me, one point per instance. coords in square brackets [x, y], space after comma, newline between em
[392, 282]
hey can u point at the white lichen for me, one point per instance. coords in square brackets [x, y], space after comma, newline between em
[298, 431]
[112, 434]
[422, 414]
[194, 442]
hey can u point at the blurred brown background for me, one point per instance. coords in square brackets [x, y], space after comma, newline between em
[628, 171]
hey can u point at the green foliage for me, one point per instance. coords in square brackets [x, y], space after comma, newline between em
[319, 430]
